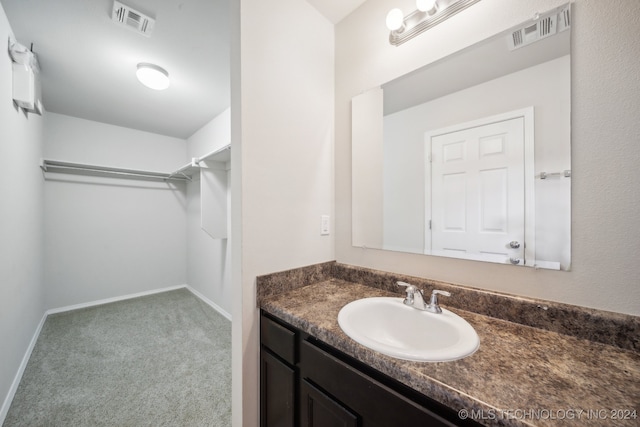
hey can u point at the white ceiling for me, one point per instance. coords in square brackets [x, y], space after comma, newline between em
[335, 10]
[88, 62]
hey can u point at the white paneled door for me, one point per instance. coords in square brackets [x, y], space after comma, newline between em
[478, 192]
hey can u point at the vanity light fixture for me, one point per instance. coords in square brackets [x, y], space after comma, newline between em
[153, 76]
[428, 13]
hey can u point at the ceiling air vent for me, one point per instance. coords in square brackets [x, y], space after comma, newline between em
[564, 19]
[543, 27]
[516, 39]
[130, 18]
[539, 30]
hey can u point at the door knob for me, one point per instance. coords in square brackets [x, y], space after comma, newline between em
[514, 244]
[514, 261]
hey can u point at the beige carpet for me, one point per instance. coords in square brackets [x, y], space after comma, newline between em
[159, 360]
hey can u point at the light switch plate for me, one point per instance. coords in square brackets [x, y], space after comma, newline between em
[324, 225]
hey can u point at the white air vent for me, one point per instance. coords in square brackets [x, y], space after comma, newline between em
[564, 19]
[544, 27]
[130, 18]
[539, 30]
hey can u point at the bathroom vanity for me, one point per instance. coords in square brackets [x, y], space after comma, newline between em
[304, 379]
[532, 368]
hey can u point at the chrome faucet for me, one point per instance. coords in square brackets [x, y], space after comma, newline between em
[415, 298]
[411, 298]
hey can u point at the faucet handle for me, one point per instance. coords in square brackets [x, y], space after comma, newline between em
[439, 292]
[411, 290]
[409, 287]
[433, 306]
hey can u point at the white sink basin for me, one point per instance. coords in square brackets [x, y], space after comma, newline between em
[392, 328]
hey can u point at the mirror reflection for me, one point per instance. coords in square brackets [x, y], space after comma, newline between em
[469, 157]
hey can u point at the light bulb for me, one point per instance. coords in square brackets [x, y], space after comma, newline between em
[395, 20]
[428, 6]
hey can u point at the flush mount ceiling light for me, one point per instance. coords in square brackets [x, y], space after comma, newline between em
[152, 76]
[428, 13]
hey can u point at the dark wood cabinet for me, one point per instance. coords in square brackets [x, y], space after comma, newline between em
[319, 410]
[307, 383]
[277, 392]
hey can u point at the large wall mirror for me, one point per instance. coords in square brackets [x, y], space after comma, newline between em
[470, 157]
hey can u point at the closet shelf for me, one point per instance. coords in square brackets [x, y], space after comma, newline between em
[222, 155]
[185, 173]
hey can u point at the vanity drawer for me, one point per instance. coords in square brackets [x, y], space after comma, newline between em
[278, 338]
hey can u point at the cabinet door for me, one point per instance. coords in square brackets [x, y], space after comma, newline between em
[377, 404]
[319, 410]
[277, 392]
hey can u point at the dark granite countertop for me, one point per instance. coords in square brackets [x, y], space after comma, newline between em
[520, 376]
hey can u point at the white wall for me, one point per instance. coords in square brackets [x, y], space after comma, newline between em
[208, 258]
[605, 148]
[21, 227]
[285, 110]
[107, 237]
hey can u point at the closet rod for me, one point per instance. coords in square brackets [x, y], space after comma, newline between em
[80, 168]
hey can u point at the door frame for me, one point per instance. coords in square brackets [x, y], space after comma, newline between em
[527, 114]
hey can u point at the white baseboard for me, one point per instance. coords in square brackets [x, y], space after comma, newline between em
[23, 365]
[114, 299]
[140, 294]
[210, 303]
